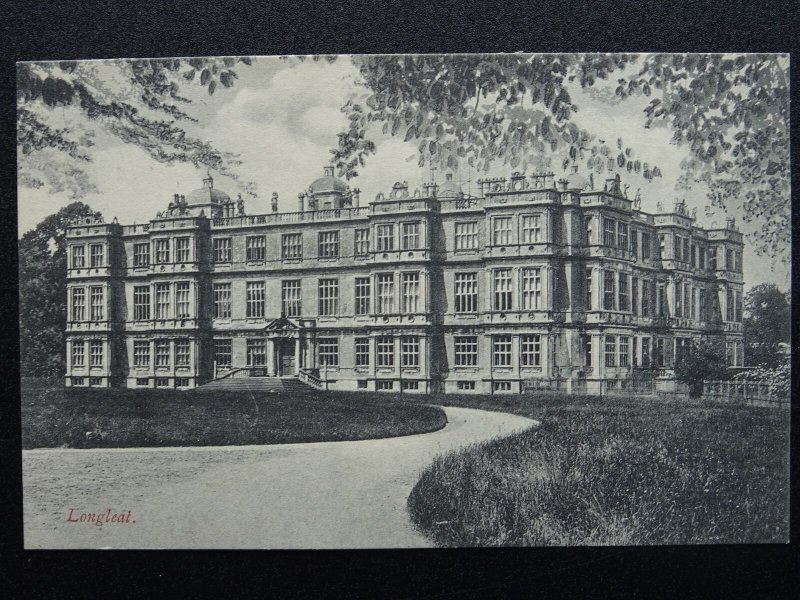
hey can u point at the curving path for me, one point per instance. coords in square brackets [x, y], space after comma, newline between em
[317, 495]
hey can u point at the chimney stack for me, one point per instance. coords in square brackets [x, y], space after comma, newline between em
[301, 202]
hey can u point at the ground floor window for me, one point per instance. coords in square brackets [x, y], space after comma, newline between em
[362, 384]
[142, 382]
[385, 351]
[466, 350]
[256, 353]
[223, 352]
[384, 386]
[78, 381]
[141, 353]
[78, 353]
[531, 351]
[96, 353]
[162, 382]
[162, 353]
[182, 382]
[646, 352]
[587, 351]
[624, 345]
[362, 352]
[95, 381]
[410, 385]
[465, 385]
[182, 351]
[611, 351]
[329, 352]
[409, 351]
[501, 351]
[501, 386]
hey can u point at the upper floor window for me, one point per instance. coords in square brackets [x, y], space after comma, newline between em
[502, 289]
[701, 257]
[97, 303]
[162, 301]
[693, 256]
[162, 251]
[328, 297]
[662, 239]
[292, 246]
[328, 244]
[467, 235]
[738, 300]
[609, 232]
[291, 298]
[738, 256]
[730, 261]
[608, 290]
[385, 293]
[182, 249]
[78, 257]
[588, 288]
[712, 259]
[622, 236]
[588, 225]
[256, 247]
[385, 237]
[182, 300]
[635, 295]
[222, 300]
[255, 299]
[410, 292]
[96, 353]
[141, 254]
[410, 239]
[686, 250]
[222, 250]
[78, 304]
[361, 242]
[729, 307]
[635, 243]
[97, 255]
[531, 289]
[141, 302]
[501, 230]
[466, 292]
[646, 298]
[531, 229]
[362, 295]
[645, 245]
[624, 293]
[678, 241]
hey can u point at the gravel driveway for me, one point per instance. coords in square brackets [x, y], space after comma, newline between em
[318, 495]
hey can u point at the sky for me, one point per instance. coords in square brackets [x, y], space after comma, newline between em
[282, 118]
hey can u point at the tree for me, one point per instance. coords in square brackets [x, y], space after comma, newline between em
[730, 111]
[137, 101]
[766, 324]
[43, 293]
[702, 361]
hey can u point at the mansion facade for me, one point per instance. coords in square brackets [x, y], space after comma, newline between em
[534, 283]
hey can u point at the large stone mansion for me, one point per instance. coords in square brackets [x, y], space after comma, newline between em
[535, 283]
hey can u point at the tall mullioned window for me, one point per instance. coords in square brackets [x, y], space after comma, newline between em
[291, 300]
[141, 303]
[466, 292]
[384, 350]
[78, 257]
[622, 236]
[624, 293]
[256, 247]
[96, 353]
[162, 353]
[292, 246]
[409, 351]
[97, 255]
[78, 304]
[634, 243]
[222, 250]
[255, 299]
[410, 292]
[501, 231]
[502, 289]
[729, 310]
[182, 353]
[702, 302]
[162, 251]
[97, 307]
[738, 311]
[624, 345]
[531, 350]
[467, 235]
[223, 352]
[611, 351]
[531, 229]
[609, 232]
[588, 289]
[531, 289]
[646, 244]
[410, 236]
[635, 295]
[328, 297]
[646, 294]
[362, 295]
[182, 300]
[141, 353]
[141, 254]
[328, 351]
[646, 352]
[608, 290]
[256, 352]
[78, 353]
[385, 234]
[501, 350]
[328, 246]
[385, 293]
[222, 300]
[466, 350]
[361, 242]
[182, 249]
[162, 301]
[362, 352]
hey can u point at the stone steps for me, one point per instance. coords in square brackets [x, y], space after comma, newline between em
[257, 384]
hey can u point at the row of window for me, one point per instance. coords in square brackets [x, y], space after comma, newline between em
[96, 256]
[162, 353]
[96, 302]
[615, 235]
[163, 307]
[96, 353]
[162, 251]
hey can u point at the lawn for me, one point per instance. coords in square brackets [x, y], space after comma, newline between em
[54, 416]
[613, 471]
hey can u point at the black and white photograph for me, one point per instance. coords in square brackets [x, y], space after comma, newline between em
[404, 300]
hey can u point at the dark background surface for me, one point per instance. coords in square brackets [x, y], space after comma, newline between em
[82, 30]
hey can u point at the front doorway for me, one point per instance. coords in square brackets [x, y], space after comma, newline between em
[286, 357]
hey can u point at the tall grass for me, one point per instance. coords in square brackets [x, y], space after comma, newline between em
[613, 473]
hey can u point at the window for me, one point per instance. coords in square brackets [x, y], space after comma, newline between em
[467, 235]
[678, 250]
[78, 304]
[290, 298]
[686, 250]
[677, 305]
[646, 352]
[531, 289]
[661, 300]
[589, 228]
[624, 343]
[223, 353]
[162, 251]
[608, 290]
[465, 385]
[531, 350]
[701, 258]
[622, 236]
[222, 300]
[738, 256]
[693, 305]
[222, 250]
[729, 309]
[587, 350]
[256, 353]
[646, 298]
[182, 249]
[78, 353]
[410, 238]
[410, 385]
[329, 352]
[385, 237]
[694, 256]
[385, 293]
[660, 352]
[141, 353]
[466, 292]
[362, 242]
[466, 350]
[141, 254]
[328, 244]
[142, 382]
[182, 353]
[362, 352]
[531, 229]
[162, 353]
[609, 232]
[611, 351]
[712, 259]
[409, 351]
[97, 304]
[635, 295]
[501, 386]
[97, 255]
[662, 245]
[96, 353]
[182, 300]
[645, 245]
[384, 346]
[588, 289]
[362, 384]
[181, 382]
[410, 292]
[730, 264]
[738, 307]
[624, 295]
[141, 303]
[328, 297]
[256, 247]
[162, 301]
[78, 257]
[501, 230]
[702, 301]
[687, 307]
[501, 351]
[502, 289]
[634, 243]
[162, 382]
[384, 386]
[292, 246]
[362, 295]
[255, 299]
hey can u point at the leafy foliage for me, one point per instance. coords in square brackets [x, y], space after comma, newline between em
[703, 361]
[766, 324]
[778, 377]
[43, 293]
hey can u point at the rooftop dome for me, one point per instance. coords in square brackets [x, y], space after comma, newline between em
[328, 183]
[207, 194]
[576, 181]
[449, 189]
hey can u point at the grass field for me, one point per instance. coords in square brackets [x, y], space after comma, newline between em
[613, 472]
[53, 416]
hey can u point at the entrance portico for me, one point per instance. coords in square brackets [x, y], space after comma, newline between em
[285, 341]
